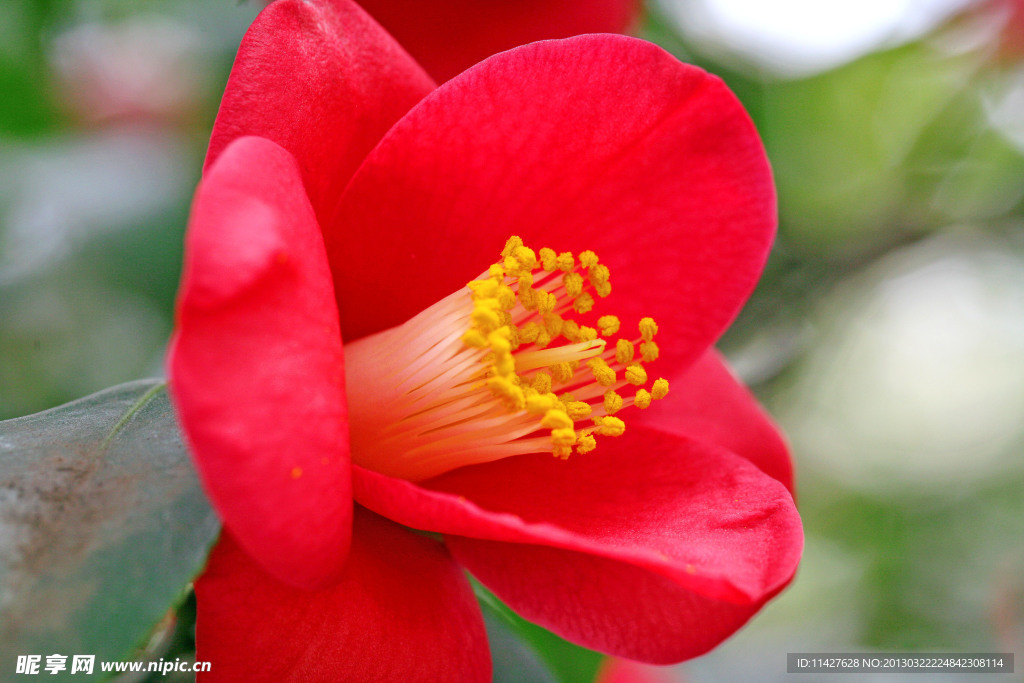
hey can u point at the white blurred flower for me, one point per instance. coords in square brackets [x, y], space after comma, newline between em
[917, 379]
[802, 37]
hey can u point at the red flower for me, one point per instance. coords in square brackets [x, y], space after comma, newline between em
[448, 36]
[344, 195]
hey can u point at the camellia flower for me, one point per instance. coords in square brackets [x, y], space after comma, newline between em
[340, 384]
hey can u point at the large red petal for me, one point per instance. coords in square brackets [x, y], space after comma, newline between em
[708, 403]
[602, 604]
[403, 611]
[600, 141]
[449, 36]
[324, 81]
[256, 365]
[707, 520]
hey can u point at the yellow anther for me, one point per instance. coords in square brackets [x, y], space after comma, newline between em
[642, 399]
[571, 331]
[573, 283]
[513, 336]
[528, 298]
[603, 374]
[528, 333]
[588, 259]
[563, 436]
[543, 338]
[553, 324]
[612, 402]
[503, 332]
[511, 265]
[585, 443]
[548, 259]
[504, 364]
[648, 328]
[578, 410]
[526, 257]
[485, 315]
[474, 338]
[489, 303]
[496, 271]
[660, 388]
[541, 403]
[587, 333]
[561, 451]
[546, 302]
[525, 281]
[561, 372]
[649, 351]
[556, 419]
[610, 426]
[603, 289]
[511, 244]
[506, 390]
[541, 382]
[608, 324]
[599, 273]
[584, 303]
[499, 341]
[636, 375]
[483, 289]
[624, 351]
[566, 261]
[506, 297]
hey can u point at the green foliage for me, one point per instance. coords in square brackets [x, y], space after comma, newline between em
[104, 524]
[842, 143]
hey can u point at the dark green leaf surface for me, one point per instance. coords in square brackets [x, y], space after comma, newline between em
[102, 525]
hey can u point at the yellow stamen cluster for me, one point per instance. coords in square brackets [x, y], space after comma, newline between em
[520, 310]
[509, 370]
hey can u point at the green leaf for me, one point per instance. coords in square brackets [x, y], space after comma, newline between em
[102, 525]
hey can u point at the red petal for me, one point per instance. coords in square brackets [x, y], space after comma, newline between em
[704, 518]
[602, 604]
[602, 142]
[449, 36]
[403, 611]
[324, 81]
[708, 403]
[256, 365]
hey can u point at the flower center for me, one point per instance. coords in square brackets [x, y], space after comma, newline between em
[480, 375]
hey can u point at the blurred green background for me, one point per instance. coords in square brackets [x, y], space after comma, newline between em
[887, 335]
